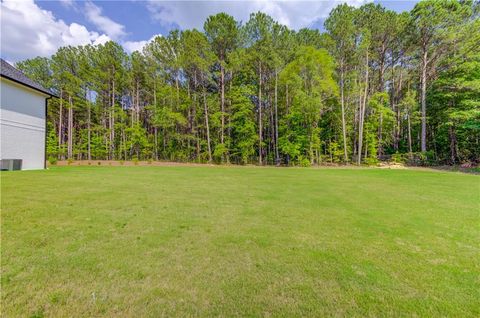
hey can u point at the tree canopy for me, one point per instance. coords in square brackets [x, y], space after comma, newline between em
[376, 84]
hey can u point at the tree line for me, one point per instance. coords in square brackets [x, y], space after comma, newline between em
[376, 84]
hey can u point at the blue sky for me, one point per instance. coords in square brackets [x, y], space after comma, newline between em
[30, 28]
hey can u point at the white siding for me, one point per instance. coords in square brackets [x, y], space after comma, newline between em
[22, 124]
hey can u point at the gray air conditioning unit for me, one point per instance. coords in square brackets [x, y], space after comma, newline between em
[11, 164]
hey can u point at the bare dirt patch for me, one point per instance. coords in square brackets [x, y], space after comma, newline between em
[387, 165]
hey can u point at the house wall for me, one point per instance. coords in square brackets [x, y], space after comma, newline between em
[22, 124]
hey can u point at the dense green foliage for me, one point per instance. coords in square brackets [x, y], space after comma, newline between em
[239, 241]
[376, 83]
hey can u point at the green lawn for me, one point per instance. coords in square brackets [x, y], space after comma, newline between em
[239, 241]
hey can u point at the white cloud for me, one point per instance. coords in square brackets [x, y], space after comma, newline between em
[28, 31]
[192, 14]
[67, 3]
[113, 29]
[102, 39]
[132, 46]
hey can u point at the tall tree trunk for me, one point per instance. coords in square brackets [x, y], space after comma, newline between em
[89, 130]
[137, 104]
[155, 129]
[423, 140]
[356, 120]
[396, 137]
[355, 129]
[453, 144]
[277, 157]
[362, 112]
[360, 129]
[271, 126]
[382, 68]
[366, 148]
[155, 136]
[112, 123]
[409, 134]
[380, 137]
[177, 85]
[164, 141]
[260, 114]
[342, 102]
[60, 126]
[70, 128]
[109, 111]
[132, 117]
[194, 110]
[222, 104]
[205, 106]
[229, 123]
[124, 143]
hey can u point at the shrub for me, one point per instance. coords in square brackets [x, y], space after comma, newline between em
[52, 160]
[135, 161]
[371, 161]
[304, 162]
[422, 159]
[218, 153]
[399, 158]
[69, 161]
[122, 162]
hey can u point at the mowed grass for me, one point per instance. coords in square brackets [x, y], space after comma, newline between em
[233, 241]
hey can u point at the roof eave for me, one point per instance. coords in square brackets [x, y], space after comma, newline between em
[29, 86]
